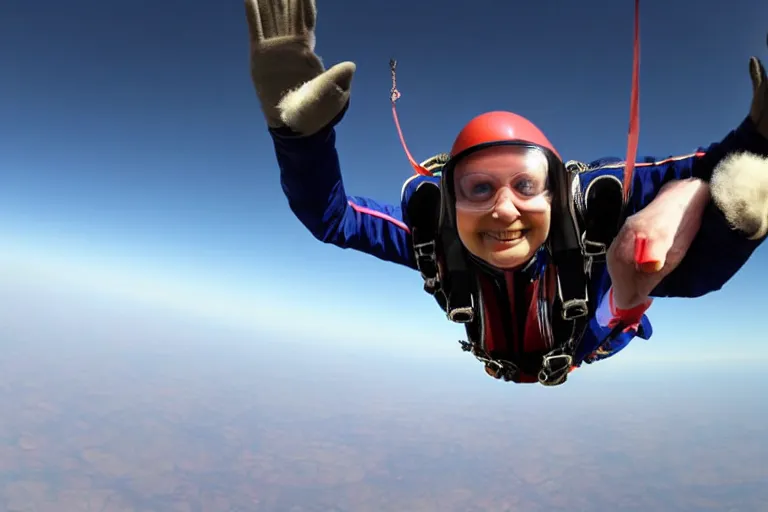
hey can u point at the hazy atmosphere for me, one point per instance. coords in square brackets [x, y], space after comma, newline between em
[137, 410]
[173, 339]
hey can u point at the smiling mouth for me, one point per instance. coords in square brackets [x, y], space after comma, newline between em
[506, 236]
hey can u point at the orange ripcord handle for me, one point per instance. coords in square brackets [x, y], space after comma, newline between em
[394, 95]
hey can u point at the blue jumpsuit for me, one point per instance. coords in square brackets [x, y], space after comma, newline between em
[311, 180]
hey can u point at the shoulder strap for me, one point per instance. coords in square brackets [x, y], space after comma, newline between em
[452, 287]
[597, 215]
[600, 210]
[423, 210]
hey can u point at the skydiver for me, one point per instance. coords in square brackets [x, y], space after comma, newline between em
[537, 257]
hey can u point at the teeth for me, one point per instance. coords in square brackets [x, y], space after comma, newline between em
[505, 236]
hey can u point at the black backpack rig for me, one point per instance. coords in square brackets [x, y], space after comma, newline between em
[584, 225]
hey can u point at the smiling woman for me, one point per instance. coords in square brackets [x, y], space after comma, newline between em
[513, 241]
[502, 192]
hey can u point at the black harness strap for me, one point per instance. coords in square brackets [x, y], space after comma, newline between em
[598, 215]
[570, 317]
[448, 276]
[423, 212]
[460, 283]
[598, 218]
[572, 306]
[602, 210]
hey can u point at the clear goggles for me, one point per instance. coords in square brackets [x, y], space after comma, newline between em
[520, 176]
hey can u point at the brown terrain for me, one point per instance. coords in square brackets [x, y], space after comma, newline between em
[117, 424]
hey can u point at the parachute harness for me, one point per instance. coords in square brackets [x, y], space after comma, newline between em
[558, 363]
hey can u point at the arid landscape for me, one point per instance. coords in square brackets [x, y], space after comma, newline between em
[106, 426]
[209, 294]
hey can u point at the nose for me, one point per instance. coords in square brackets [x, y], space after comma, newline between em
[505, 209]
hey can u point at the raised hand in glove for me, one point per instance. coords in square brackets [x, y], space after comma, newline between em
[293, 87]
[739, 183]
[758, 111]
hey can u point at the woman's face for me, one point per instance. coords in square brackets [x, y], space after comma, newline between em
[503, 205]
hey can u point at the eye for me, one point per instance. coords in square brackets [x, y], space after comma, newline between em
[481, 190]
[527, 187]
[476, 187]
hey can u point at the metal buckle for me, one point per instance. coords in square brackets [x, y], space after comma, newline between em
[496, 368]
[502, 370]
[574, 308]
[587, 245]
[431, 284]
[554, 369]
[510, 371]
[576, 167]
[462, 315]
[425, 250]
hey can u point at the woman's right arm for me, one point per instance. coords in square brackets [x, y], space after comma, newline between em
[310, 176]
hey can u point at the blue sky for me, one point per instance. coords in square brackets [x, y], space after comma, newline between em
[134, 157]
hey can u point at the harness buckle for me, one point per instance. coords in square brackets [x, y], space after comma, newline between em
[463, 315]
[574, 308]
[590, 248]
[426, 261]
[554, 368]
[503, 370]
[425, 250]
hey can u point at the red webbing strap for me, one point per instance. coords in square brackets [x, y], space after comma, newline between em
[641, 257]
[634, 110]
[394, 95]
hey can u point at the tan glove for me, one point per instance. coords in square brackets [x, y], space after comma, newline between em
[758, 111]
[293, 87]
[740, 181]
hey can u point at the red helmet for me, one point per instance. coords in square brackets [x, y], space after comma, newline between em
[499, 127]
[506, 128]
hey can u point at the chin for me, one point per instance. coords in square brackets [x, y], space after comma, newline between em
[510, 262]
[502, 255]
[511, 258]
